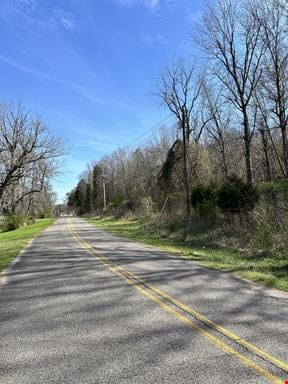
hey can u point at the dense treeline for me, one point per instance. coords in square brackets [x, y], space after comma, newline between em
[231, 121]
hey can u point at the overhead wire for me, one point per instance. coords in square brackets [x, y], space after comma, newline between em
[147, 132]
[191, 151]
[231, 140]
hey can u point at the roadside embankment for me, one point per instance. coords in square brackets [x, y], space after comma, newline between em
[268, 270]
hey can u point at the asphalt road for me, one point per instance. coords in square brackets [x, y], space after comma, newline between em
[83, 306]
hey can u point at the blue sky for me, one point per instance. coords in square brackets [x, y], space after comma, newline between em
[88, 67]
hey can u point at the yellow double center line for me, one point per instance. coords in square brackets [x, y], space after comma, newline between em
[134, 281]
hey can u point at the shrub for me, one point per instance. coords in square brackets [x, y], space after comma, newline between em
[203, 194]
[207, 211]
[203, 199]
[117, 201]
[44, 213]
[13, 221]
[236, 196]
[119, 206]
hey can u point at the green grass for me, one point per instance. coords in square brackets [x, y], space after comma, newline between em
[11, 243]
[269, 271]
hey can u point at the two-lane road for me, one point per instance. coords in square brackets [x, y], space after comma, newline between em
[83, 306]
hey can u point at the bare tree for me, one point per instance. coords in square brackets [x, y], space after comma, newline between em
[28, 153]
[275, 83]
[219, 124]
[282, 4]
[179, 89]
[230, 36]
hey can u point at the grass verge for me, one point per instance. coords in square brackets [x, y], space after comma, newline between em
[269, 271]
[11, 243]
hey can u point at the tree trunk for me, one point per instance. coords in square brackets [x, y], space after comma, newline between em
[185, 134]
[224, 163]
[247, 142]
[285, 148]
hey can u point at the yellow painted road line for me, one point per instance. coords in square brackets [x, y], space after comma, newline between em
[210, 323]
[117, 270]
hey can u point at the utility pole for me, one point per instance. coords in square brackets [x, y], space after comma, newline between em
[104, 192]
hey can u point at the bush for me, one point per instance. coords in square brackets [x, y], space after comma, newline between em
[236, 196]
[44, 213]
[203, 194]
[116, 201]
[203, 199]
[119, 206]
[13, 221]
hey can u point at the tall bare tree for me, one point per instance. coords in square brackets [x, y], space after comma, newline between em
[230, 36]
[219, 124]
[275, 83]
[179, 89]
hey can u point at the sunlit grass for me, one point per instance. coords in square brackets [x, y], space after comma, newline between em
[11, 243]
[268, 271]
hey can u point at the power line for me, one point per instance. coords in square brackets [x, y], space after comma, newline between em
[230, 141]
[146, 133]
[203, 147]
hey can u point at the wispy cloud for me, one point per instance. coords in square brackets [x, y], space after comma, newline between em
[97, 145]
[35, 12]
[80, 89]
[194, 17]
[91, 133]
[23, 8]
[24, 68]
[64, 19]
[151, 39]
[153, 5]
[28, 4]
